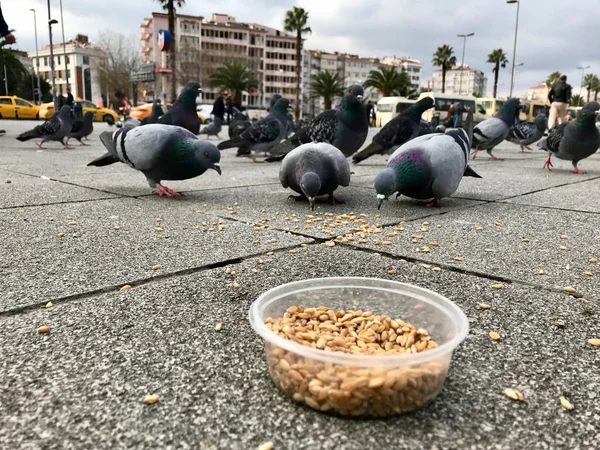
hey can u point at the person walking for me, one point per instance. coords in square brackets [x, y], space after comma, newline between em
[5, 31]
[219, 107]
[368, 110]
[457, 113]
[560, 99]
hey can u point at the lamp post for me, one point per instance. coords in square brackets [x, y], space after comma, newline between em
[512, 78]
[53, 81]
[62, 24]
[462, 62]
[582, 72]
[37, 58]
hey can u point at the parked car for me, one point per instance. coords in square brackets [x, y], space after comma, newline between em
[140, 112]
[11, 105]
[100, 114]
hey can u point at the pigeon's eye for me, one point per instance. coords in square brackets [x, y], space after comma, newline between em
[352, 91]
[207, 155]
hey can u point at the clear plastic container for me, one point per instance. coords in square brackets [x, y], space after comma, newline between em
[353, 384]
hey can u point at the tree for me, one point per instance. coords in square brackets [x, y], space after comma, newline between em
[576, 100]
[169, 6]
[328, 85]
[234, 77]
[114, 72]
[498, 58]
[16, 72]
[596, 87]
[589, 83]
[296, 21]
[389, 82]
[552, 79]
[444, 57]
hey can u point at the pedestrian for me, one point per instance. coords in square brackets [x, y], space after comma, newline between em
[568, 117]
[4, 30]
[229, 108]
[77, 110]
[368, 111]
[219, 107]
[69, 101]
[457, 114]
[560, 99]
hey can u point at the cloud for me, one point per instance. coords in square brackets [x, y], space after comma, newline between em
[553, 35]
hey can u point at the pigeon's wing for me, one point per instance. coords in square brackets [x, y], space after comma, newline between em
[555, 136]
[397, 131]
[264, 131]
[167, 118]
[420, 140]
[425, 128]
[50, 127]
[77, 127]
[237, 128]
[322, 128]
[287, 169]
[448, 155]
[339, 162]
[522, 131]
[489, 133]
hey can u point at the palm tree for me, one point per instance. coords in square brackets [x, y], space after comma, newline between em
[328, 85]
[552, 79]
[576, 100]
[389, 82]
[234, 77]
[296, 20]
[169, 6]
[589, 83]
[16, 72]
[596, 88]
[498, 58]
[444, 57]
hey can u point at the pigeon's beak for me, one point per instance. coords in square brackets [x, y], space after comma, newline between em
[217, 167]
[359, 97]
[380, 199]
[200, 91]
[311, 202]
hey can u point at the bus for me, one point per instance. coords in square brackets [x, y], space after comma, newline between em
[390, 107]
[443, 102]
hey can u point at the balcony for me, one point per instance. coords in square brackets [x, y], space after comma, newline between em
[145, 36]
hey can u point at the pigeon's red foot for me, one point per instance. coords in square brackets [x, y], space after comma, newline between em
[435, 202]
[474, 154]
[84, 144]
[548, 163]
[495, 158]
[577, 171]
[528, 147]
[40, 145]
[334, 200]
[298, 198]
[163, 191]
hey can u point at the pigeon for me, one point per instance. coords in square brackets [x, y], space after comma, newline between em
[57, 128]
[428, 167]
[492, 131]
[132, 122]
[155, 115]
[345, 128]
[238, 125]
[212, 129]
[183, 112]
[574, 140]
[398, 131]
[525, 133]
[440, 128]
[160, 152]
[313, 170]
[265, 133]
[425, 128]
[82, 128]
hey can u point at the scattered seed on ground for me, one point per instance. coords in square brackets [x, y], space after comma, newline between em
[49, 305]
[495, 336]
[151, 399]
[219, 327]
[570, 289]
[437, 269]
[116, 227]
[497, 286]
[43, 329]
[126, 287]
[484, 306]
[266, 446]
[566, 404]
[236, 285]
[61, 234]
[156, 267]
[514, 394]
[594, 341]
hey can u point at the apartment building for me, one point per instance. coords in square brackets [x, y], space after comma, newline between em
[204, 44]
[411, 66]
[80, 65]
[538, 93]
[461, 80]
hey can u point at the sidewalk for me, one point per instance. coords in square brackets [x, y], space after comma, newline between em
[82, 384]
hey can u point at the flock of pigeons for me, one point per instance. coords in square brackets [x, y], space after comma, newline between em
[427, 161]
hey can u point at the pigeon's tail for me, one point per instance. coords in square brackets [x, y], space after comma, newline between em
[469, 172]
[233, 143]
[468, 127]
[276, 158]
[543, 144]
[32, 134]
[105, 160]
[281, 150]
[373, 149]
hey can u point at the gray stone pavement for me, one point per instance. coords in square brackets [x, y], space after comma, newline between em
[82, 384]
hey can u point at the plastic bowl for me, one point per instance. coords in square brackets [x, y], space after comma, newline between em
[361, 385]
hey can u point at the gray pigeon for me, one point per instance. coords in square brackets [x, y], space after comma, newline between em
[132, 122]
[399, 130]
[265, 133]
[212, 129]
[525, 133]
[155, 115]
[574, 140]
[492, 131]
[345, 128]
[314, 169]
[82, 128]
[160, 152]
[429, 167]
[183, 112]
[56, 128]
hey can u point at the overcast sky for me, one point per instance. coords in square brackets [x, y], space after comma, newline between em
[553, 34]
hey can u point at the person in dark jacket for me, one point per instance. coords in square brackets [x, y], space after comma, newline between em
[560, 99]
[457, 113]
[368, 110]
[4, 30]
[229, 108]
[219, 107]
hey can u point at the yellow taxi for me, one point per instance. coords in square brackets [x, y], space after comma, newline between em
[100, 114]
[142, 111]
[12, 105]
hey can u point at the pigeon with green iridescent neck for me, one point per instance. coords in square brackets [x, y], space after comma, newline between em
[183, 112]
[492, 131]
[428, 167]
[345, 128]
[574, 140]
[160, 152]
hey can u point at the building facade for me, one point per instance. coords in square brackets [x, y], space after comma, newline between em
[80, 66]
[203, 45]
[411, 66]
[538, 93]
[461, 80]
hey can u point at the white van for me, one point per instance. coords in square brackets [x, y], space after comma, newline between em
[443, 102]
[390, 107]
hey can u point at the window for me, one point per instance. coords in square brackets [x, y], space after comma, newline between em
[45, 60]
[58, 74]
[58, 59]
[68, 60]
[21, 102]
[6, 101]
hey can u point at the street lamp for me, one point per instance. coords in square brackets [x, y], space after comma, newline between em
[513, 77]
[515, 46]
[62, 24]
[462, 62]
[582, 72]
[37, 58]
[51, 22]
